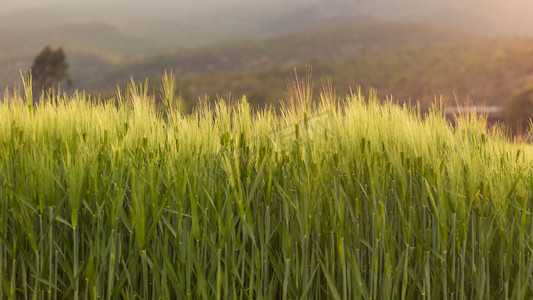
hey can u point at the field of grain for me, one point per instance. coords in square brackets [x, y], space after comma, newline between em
[341, 198]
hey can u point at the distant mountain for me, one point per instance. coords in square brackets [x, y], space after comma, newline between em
[116, 30]
[480, 71]
[103, 37]
[120, 38]
[348, 38]
[88, 47]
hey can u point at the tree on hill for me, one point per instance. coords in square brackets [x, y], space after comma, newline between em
[49, 68]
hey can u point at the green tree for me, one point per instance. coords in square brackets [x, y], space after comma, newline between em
[49, 67]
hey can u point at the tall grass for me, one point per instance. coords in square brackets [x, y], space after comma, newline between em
[347, 199]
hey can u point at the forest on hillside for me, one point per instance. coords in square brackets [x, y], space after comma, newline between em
[482, 71]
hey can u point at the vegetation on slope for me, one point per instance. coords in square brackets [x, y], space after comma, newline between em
[106, 53]
[483, 71]
[341, 39]
[344, 199]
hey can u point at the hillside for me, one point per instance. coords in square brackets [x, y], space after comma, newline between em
[86, 45]
[106, 42]
[483, 70]
[116, 31]
[348, 38]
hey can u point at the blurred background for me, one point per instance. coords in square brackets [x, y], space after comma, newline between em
[474, 51]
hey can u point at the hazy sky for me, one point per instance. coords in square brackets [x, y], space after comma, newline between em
[407, 5]
[11, 5]
[497, 16]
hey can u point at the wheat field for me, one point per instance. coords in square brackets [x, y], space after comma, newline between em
[338, 198]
